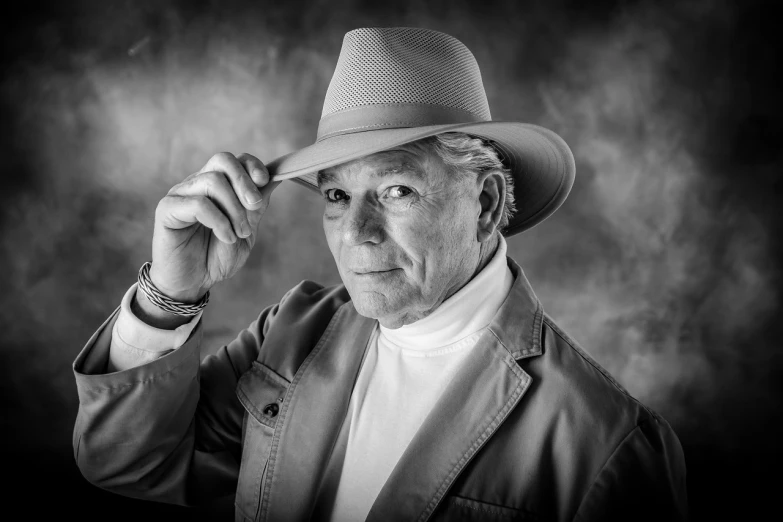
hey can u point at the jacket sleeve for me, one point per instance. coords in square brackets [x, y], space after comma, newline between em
[643, 479]
[168, 430]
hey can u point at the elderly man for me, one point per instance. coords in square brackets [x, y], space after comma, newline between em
[431, 386]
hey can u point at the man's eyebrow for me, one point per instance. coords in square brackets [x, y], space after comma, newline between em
[325, 177]
[403, 168]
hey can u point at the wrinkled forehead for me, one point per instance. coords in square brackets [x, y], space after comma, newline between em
[407, 161]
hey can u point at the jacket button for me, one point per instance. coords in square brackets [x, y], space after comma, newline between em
[270, 410]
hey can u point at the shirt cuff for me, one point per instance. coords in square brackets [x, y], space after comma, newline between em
[134, 342]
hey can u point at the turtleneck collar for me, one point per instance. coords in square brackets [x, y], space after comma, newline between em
[463, 314]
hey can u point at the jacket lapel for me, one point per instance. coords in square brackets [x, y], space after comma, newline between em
[485, 390]
[311, 415]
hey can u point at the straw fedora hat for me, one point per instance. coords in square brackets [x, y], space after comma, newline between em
[396, 85]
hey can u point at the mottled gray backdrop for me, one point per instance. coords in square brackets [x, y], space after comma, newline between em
[664, 263]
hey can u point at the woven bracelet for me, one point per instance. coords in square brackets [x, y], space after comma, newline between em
[163, 301]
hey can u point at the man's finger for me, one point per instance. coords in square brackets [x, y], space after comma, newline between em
[239, 178]
[256, 168]
[177, 212]
[215, 186]
[254, 216]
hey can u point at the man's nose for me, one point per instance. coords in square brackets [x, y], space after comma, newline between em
[363, 223]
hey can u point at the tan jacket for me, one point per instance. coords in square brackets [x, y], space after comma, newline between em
[531, 428]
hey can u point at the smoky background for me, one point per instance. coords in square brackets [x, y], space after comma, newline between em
[664, 263]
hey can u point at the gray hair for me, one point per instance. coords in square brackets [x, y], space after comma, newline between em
[469, 156]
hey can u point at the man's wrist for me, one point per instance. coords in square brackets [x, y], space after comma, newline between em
[183, 296]
[147, 312]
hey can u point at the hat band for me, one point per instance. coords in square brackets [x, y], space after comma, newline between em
[391, 116]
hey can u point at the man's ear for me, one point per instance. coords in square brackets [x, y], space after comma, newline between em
[492, 199]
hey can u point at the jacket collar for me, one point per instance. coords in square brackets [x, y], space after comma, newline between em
[486, 389]
[517, 325]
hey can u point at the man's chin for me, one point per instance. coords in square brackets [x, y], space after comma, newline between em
[373, 305]
[370, 309]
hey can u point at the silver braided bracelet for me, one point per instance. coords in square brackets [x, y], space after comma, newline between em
[163, 301]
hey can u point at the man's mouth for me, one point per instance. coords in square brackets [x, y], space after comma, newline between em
[365, 271]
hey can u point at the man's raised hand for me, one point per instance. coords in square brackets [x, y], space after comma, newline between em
[206, 226]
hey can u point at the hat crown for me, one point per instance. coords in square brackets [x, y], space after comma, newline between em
[403, 65]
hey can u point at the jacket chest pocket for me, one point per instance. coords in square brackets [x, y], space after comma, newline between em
[261, 391]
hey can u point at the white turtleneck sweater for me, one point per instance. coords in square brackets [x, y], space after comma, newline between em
[403, 375]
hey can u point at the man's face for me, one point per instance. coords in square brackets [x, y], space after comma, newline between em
[402, 230]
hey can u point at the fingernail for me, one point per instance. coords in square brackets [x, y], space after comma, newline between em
[245, 229]
[259, 176]
[253, 199]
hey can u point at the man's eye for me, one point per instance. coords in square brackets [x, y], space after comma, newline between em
[399, 191]
[336, 195]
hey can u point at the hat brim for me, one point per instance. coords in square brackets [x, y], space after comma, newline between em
[540, 161]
